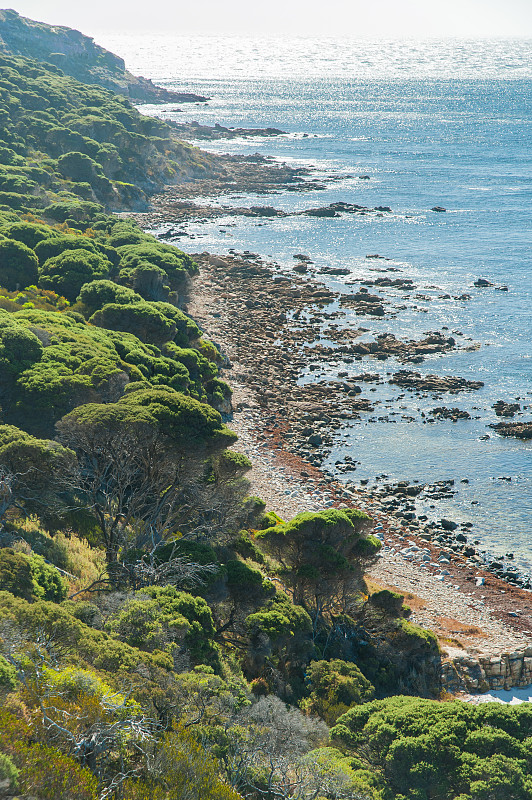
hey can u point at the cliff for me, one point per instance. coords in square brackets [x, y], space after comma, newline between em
[79, 56]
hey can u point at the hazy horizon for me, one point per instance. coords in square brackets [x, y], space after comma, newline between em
[387, 19]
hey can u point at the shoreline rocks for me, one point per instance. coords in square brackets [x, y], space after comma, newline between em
[434, 383]
[521, 430]
[507, 671]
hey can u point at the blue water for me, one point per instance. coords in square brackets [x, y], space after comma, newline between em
[432, 123]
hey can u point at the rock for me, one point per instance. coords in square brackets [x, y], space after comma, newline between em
[433, 383]
[448, 525]
[449, 413]
[503, 409]
[320, 212]
[438, 209]
[521, 430]
[482, 283]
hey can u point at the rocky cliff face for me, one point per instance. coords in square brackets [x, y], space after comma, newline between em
[469, 674]
[81, 57]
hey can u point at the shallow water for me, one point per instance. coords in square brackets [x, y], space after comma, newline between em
[431, 123]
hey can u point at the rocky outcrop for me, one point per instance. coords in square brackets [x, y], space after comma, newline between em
[454, 414]
[434, 383]
[503, 409]
[521, 430]
[79, 56]
[507, 671]
[339, 208]
[194, 130]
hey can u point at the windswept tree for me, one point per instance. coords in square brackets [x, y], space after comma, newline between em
[136, 458]
[322, 557]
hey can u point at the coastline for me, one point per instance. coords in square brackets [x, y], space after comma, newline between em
[475, 615]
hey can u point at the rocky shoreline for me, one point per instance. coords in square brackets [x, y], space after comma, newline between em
[278, 327]
[477, 616]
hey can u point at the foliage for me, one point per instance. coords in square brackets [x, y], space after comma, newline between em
[425, 749]
[66, 273]
[94, 295]
[322, 556]
[90, 142]
[185, 771]
[18, 265]
[48, 583]
[8, 675]
[134, 459]
[8, 772]
[43, 772]
[335, 686]
[15, 574]
[142, 319]
[30, 472]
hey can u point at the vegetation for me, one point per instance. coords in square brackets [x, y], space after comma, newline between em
[424, 749]
[161, 636]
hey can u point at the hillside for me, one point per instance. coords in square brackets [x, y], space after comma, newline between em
[62, 140]
[79, 56]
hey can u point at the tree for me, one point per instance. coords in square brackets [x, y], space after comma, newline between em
[31, 472]
[135, 458]
[18, 265]
[265, 749]
[322, 557]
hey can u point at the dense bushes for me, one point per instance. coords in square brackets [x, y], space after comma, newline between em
[92, 143]
[322, 556]
[425, 749]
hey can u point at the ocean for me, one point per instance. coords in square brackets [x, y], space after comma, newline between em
[432, 123]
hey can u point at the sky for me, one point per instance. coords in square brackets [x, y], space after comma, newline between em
[355, 18]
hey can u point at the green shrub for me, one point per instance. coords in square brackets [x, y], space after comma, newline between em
[142, 319]
[48, 583]
[15, 574]
[96, 294]
[18, 265]
[8, 675]
[427, 749]
[246, 584]
[335, 686]
[55, 245]
[389, 602]
[66, 273]
[8, 773]
[29, 233]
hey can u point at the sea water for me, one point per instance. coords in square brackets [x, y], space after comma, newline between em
[434, 123]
